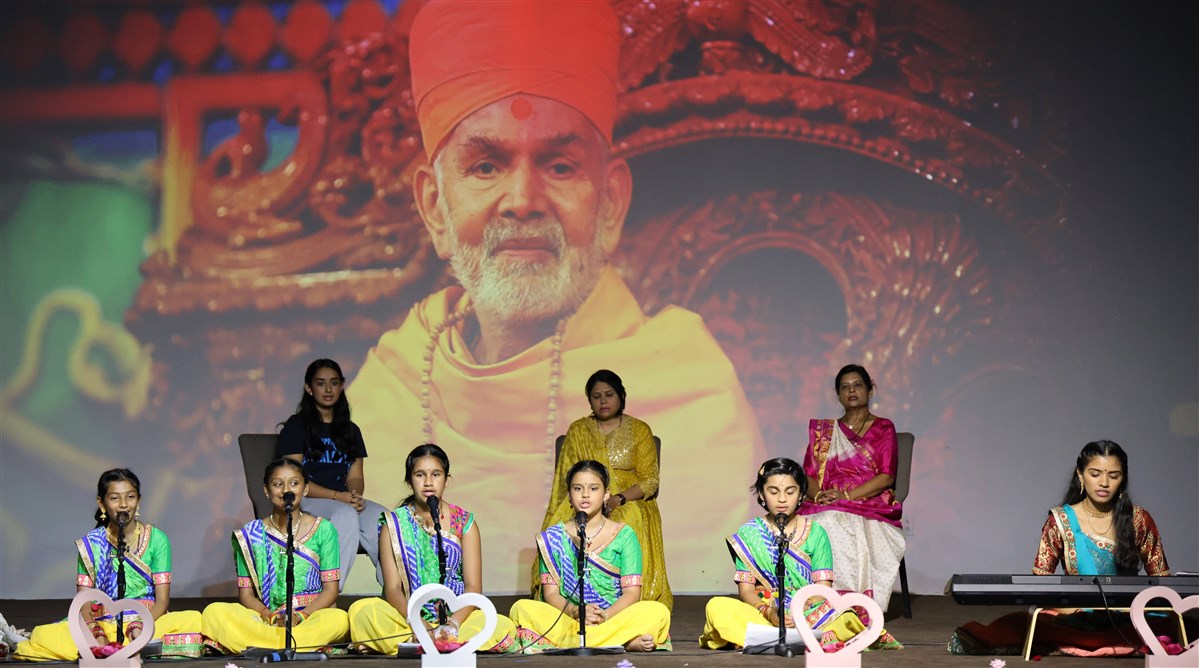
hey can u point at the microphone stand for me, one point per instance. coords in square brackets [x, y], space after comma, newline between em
[122, 519]
[581, 569]
[435, 513]
[780, 572]
[781, 647]
[289, 652]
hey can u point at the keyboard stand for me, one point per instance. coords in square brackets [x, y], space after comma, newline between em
[1036, 612]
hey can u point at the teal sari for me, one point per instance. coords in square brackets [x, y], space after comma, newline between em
[1090, 557]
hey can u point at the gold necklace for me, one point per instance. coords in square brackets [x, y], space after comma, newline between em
[295, 527]
[426, 377]
[599, 425]
[861, 428]
[137, 531]
[790, 536]
[588, 539]
[1086, 503]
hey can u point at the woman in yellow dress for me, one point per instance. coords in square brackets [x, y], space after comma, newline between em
[408, 558]
[147, 579]
[625, 446]
[259, 617]
[615, 611]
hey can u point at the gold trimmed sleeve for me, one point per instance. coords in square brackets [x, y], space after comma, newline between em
[1049, 552]
[1149, 540]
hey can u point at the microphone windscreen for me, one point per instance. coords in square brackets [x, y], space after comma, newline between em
[581, 519]
[781, 520]
[433, 502]
[122, 518]
[289, 498]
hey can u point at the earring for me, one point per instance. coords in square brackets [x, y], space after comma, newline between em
[103, 515]
[137, 513]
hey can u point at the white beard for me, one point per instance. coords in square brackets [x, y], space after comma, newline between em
[518, 291]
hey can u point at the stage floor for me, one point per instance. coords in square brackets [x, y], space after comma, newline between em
[924, 637]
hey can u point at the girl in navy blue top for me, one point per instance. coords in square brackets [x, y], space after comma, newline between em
[329, 445]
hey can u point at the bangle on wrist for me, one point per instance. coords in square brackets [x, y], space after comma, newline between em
[623, 499]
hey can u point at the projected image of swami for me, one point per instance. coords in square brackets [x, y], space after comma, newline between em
[472, 209]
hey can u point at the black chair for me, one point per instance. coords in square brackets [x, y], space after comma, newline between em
[657, 444]
[903, 479]
[257, 450]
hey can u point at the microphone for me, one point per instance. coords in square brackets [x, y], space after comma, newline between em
[434, 504]
[581, 521]
[781, 520]
[122, 519]
[435, 511]
[289, 501]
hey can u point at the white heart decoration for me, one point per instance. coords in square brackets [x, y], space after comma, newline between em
[1157, 657]
[849, 656]
[464, 656]
[129, 655]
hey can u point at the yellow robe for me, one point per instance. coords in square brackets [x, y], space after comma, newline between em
[493, 421]
[632, 459]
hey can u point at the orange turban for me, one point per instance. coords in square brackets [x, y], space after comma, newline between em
[466, 55]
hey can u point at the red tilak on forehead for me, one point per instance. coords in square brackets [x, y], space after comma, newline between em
[521, 108]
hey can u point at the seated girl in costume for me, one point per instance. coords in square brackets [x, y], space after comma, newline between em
[780, 488]
[1096, 531]
[260, 550]
[408, 554]
[147, 579]
[615, 613]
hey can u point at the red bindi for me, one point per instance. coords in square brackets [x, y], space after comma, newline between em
[521, 108]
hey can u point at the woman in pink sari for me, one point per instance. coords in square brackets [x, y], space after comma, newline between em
[850, 464]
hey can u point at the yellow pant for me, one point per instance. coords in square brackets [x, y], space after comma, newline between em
[536, 618]
[725, 620]
[371, 619]
[237, 627]
[53, 642]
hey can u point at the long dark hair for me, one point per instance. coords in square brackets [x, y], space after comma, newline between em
[596, 468]
[779, 466]
[613, 381]
[107, 478]
[1128, 556]
[418, 453]
[341, 428]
